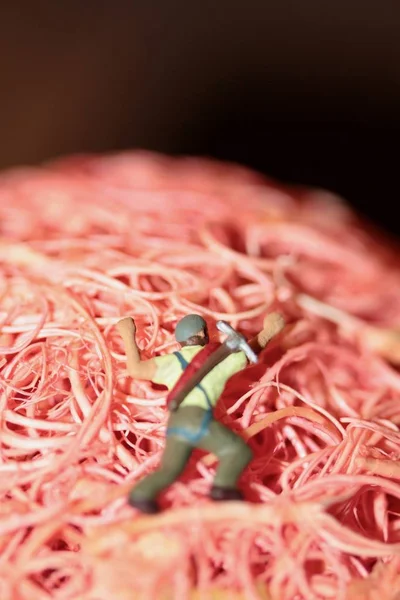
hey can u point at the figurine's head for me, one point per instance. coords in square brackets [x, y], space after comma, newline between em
[192, 331]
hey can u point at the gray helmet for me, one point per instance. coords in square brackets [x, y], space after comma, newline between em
[189, 326]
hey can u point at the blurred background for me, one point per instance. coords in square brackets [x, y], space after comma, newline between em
[307, 92]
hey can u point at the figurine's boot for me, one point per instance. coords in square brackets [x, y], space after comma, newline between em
[149, 507]
[222, 494]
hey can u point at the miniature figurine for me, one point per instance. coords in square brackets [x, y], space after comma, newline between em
[195, 377]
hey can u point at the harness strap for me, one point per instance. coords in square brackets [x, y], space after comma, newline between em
[191, 437]
[184, 365]
[189, 369]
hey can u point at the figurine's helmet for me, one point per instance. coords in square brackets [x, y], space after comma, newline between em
[189, 326]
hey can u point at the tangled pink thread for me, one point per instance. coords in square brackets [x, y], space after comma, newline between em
[87, 240]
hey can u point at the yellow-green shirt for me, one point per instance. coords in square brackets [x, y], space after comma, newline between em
[169, 370]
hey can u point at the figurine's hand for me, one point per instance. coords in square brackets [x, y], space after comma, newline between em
[273, 324]
[126, 326]
[172, 406]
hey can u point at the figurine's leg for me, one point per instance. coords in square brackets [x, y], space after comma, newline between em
[176, 455]
[233, 454]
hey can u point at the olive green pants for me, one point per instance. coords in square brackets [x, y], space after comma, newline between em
[192, 427]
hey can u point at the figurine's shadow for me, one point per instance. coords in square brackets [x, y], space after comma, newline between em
[241, 383]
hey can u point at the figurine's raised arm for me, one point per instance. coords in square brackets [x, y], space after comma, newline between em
[273, 325]
[137, 368]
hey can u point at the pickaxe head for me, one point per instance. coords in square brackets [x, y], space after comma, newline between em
[236, 341]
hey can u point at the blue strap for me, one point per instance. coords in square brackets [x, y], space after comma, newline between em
[184, 364]
[189, 435]
[182, 360]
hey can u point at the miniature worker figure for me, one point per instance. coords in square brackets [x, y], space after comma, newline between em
[192, 424]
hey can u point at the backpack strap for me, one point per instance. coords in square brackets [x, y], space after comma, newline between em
[189, 369]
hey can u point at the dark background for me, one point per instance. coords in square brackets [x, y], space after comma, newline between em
[307, 91]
